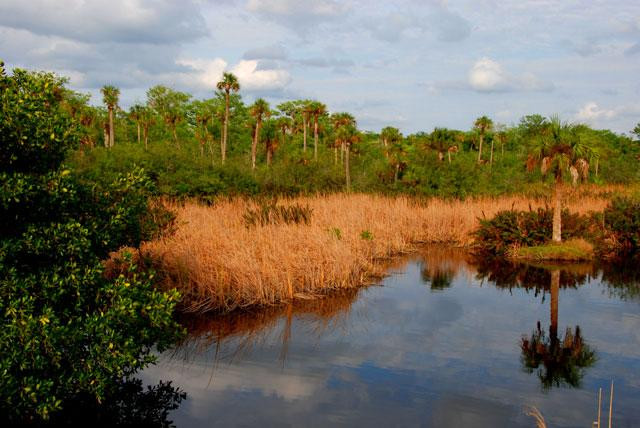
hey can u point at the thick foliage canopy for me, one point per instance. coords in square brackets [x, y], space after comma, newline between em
[68, 334]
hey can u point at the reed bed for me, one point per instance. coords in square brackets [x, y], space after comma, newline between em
[220, 263]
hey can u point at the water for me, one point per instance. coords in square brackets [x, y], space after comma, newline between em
[439, 344]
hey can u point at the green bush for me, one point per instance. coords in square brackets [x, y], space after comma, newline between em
[526, 228]
[622, 225]
[67, 332]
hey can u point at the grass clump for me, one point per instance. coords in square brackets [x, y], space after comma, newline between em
[576, 249]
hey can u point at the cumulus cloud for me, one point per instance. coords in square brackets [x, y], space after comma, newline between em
[125, 21]
[487, 75]
[253, 78]
[591, 112]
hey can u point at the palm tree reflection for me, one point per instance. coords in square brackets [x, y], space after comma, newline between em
[557, 361]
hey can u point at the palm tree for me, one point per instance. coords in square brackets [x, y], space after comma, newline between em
[559, 149]
[284, 124]
[110, 95]
[348, 135]
[316, 109]
[306, 112]
[340, 120]
[269, 136]
[259, 110]
[389, 135]
[228, 83]
[147, 120]
[134, 114]
[442, 140]
[482, 125]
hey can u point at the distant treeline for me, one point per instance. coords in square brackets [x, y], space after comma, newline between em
[220, 145]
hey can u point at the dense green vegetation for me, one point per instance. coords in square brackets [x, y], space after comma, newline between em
[70, 337]
[221, 146]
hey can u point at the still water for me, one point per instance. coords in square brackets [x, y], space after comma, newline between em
[444, 341]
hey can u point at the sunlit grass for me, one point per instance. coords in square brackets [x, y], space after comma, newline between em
[219, 263]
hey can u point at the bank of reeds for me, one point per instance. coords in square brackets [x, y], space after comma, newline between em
[219, 262]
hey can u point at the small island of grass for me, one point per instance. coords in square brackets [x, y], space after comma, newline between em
[572, 250]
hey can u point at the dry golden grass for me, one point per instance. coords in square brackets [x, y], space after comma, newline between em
[218, 263]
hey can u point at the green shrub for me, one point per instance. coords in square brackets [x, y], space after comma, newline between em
[526, 228]
[67, 332]
[269, 212]
[622, 225]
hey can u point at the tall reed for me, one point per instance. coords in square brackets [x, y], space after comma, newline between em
[220, 263]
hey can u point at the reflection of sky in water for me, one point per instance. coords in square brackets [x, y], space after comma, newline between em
[406, 354]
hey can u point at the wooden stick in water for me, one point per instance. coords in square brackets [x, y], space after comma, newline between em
[611, 404]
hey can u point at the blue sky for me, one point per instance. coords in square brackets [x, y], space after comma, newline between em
[411, 64]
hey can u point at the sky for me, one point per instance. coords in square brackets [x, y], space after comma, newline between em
[413, 64]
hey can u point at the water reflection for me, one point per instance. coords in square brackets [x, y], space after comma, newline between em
[130, 404]
[439, 344]
[557, 361]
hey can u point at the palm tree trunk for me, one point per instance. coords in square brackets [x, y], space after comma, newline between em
[146, 137]
[480, 149]
[254, 146]
[223, 146]
[491, 157]
[175, 136]
[105, 133]
[304, 134]
[341, 153]
[335, 155]
[555, 290]
[315, 139]
[269, 156]
[397, 173]
[557, 213]
[449, 155]
[111, 136]
[138, 124]
[348, 171]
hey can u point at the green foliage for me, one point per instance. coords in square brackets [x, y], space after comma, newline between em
[67, 331]
[511, 228]
[366, 235]
[269, 212]
[622, 223]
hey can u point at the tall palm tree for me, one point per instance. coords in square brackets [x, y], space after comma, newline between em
[134, 114]
[559, 149]
[442, 140]
[350, 137]
[228, 83]
[269, 136]
[482, 125]
[110, 95]
[389, 135]
[284, 124]
[147, 119]
[317, 109]
[338, 121]
[306, 111]
[259, 110]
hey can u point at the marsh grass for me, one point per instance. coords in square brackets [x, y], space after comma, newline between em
[220, 264]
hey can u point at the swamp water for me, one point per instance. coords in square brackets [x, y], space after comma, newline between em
[446, 341]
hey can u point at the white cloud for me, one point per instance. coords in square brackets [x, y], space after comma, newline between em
[205, 73]
[254, 79]
[487, 75]
[591, 112]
